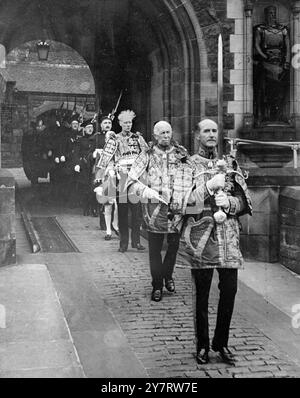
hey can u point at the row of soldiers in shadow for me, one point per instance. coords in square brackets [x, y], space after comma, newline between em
[67, 151]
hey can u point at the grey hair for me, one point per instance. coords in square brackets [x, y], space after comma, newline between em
[159, 124]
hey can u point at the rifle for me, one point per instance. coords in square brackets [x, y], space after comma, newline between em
[82, 112]
[74, 108]
[112, 114]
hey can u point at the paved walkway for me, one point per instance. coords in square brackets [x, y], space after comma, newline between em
[118, 332]
[34, 338]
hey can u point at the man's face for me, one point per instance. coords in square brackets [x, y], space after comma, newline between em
[74, 125]
[126, 124]
[89, 129]
[208, 134]
[271, 16]
[163, 134]
[106, 125]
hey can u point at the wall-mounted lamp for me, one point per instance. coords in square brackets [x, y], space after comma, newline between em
[43, 48]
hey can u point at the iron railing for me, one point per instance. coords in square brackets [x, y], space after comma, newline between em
[295, 146]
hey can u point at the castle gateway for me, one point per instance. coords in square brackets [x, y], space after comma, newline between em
[162, 55]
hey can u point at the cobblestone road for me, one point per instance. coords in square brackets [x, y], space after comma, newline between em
[162, 334]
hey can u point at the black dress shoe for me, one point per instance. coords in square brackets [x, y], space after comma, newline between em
[116, 231]
[122, 249]
[202, 356]
[156, 295]
[138, 246]
[107, 237]
[170, 285]
[94, 213]
[226, 355]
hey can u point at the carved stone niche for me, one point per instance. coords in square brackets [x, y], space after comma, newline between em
[270, 111]
[271, 64]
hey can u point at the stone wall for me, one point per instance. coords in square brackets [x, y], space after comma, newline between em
[260, 232]
[289, 207]
[14, 122]
[214, 17]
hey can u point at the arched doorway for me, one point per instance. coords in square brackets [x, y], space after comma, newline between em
[150, 50]
[40, 90]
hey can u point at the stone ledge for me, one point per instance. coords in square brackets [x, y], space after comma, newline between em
[292, 193]
[6, 179]
[280, 176]
[8, 251]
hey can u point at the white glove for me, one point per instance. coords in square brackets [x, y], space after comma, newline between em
[109, 134]
[96, 151]
[62, 159]
[99, 191]
[111, 173]
[77, 168]
[215, 183]
[149, 193]
[56, 160]
[49, 153]
[222, 200]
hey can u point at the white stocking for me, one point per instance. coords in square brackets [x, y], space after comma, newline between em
[107, 217]
[116, 219]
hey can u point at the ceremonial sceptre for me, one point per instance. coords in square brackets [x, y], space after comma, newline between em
[220, 216]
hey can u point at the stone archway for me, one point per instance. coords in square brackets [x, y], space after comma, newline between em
[154, 49]
[62, 83]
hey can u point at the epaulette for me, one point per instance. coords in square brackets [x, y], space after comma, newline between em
[181, 153]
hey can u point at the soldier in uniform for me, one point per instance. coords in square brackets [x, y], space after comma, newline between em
[59, 140]
[85, 147]
[105, 179]
[105, 208]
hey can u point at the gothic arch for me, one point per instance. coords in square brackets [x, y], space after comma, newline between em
[139, 42]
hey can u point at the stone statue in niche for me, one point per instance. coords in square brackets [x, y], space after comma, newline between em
[271, 70]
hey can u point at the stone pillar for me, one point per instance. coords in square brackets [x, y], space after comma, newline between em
[248, 65]
[289, 205]
[7, 218]
[296, 70]
[260, 232]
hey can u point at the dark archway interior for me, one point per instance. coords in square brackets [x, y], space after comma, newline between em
[130, 45]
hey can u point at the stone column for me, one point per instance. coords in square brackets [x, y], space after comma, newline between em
[248, 65]
[296, 70]
[7, 218]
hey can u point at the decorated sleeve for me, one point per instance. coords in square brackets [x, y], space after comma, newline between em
[143, 144]
[138, 168]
